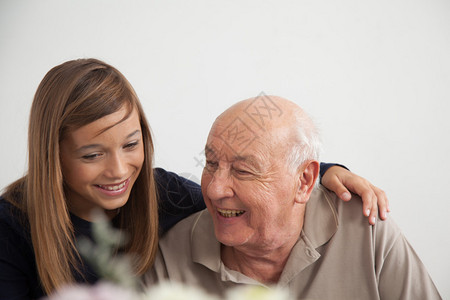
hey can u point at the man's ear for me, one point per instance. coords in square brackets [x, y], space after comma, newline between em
[307, 176]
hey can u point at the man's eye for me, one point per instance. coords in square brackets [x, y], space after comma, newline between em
[210, 165]
[242, 172]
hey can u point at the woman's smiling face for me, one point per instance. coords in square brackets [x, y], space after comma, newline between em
[100, 163]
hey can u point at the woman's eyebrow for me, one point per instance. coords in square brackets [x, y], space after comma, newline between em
[93, 146]
[88, 147]
[133, 133]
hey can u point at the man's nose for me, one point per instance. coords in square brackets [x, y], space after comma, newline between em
[116, 166]
[220, 186]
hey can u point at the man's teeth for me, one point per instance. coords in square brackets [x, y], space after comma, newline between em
[113, 187]
[230, 213]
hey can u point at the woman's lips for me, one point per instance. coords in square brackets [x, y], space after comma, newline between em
[113, 189]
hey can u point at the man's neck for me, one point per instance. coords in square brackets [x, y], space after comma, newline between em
[265, 266]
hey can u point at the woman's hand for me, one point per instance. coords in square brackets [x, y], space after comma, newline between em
[341, 181]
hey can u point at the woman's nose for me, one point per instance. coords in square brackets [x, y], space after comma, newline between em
[116, 166]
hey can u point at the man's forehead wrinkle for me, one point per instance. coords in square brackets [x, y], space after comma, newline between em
[210, 150]
[255, 158]
[213, 152]
[231, 135]
[234, 130]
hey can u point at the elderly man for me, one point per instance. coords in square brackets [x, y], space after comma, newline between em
[266, 224]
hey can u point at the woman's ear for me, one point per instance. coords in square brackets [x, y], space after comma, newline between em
[307, 176]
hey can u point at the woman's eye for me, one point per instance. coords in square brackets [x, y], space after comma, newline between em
[131, 145]
[91, 156]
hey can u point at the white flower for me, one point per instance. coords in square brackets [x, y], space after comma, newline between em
[164, 291]
[100, 291]
[176, 291]
[257, 292]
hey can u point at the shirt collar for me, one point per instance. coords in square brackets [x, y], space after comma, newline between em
[319, 226]
[321, 219]
[205, 247]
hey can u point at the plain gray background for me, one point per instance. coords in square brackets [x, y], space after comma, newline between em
[375, 76]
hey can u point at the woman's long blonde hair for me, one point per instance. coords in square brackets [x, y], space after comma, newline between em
[70, 96]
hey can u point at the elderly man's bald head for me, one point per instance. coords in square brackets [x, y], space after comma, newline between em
[274, 122]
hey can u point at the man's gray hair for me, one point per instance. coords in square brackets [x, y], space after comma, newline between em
[305, 141]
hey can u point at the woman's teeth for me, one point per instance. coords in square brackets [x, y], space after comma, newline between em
[230, 213]
[113, 187]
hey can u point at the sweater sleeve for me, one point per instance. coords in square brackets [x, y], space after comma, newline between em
[179, 197]
[325, 166]
[18, 275]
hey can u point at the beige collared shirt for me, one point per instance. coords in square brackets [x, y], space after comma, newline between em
[338, 256]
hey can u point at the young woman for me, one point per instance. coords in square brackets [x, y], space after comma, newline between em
[90, 147]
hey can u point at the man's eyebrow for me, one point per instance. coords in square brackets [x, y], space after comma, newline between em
[250, 159]
[209, 150]
[93, 146]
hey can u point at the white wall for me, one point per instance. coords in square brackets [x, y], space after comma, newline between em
[374, 74]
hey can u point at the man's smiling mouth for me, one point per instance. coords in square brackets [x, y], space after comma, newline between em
[227, 213]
